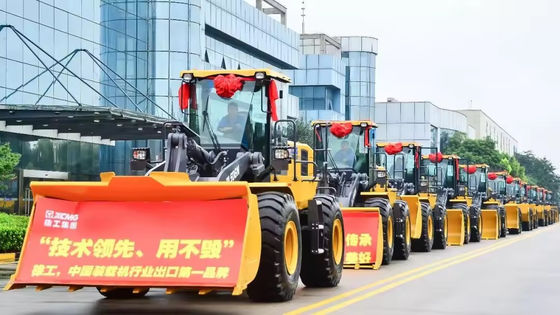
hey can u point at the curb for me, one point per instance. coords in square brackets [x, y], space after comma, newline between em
[7, 258]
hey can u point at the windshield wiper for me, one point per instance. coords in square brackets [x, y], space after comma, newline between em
[213, 136]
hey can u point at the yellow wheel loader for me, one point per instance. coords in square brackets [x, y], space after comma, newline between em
[398, 186]
[451, 197]
[493, 211]
[233, 206]
[377, 229]
[553, 207]
[513, 206]
[528, 208]
[543, 212]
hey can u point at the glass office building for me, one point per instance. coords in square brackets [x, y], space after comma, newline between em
[125, 54]
[359, 55]
[421, 122]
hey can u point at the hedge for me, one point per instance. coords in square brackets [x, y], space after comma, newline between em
[12, 232]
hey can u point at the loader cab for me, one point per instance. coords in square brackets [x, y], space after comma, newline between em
[344, 145]
[402, 161]
[430, 173]
[497, 184]
[481, 177]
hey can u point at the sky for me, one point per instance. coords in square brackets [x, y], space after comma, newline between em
[501, 55]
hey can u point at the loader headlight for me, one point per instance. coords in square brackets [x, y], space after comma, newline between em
[259, 75]
[188, 77]
[281, 154]
[424, 183]
[141, 154]
[381, 174]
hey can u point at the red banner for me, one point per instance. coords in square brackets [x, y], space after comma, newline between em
[361, 237]
[134, 243]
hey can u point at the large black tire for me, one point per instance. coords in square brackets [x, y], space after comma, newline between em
[401, 226]
[536, 220]
[520, 228]
[476, 224]
[324, 270]
[273, 282]
[426, 240]
[387, 220]
[503, 224]
[123, 293]
[440, 227]
[466, 221]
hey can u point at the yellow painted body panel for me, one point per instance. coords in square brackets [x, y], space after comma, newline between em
[303, 189]
[490, 224]
[379, 244]
[524, 207]
[512, 216]
[243, 73]
[455, 227]
[462, 199]
[415, 209]
[429, 198]
[389, 194]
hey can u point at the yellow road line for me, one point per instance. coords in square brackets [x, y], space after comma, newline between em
[422, 274]
[383, 281]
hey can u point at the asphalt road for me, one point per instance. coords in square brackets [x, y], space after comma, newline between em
[516, 275]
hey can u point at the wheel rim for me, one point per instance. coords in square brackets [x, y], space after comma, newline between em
[337, 241]
[390, 232]
[430, 228]
[407, 227]
[291, 247]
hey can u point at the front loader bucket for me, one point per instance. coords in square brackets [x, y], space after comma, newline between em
[363, 230]
[490, 224]
[138, 232]
[512, 216]
[455, 227]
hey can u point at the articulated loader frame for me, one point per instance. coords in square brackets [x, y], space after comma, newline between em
[227, 218]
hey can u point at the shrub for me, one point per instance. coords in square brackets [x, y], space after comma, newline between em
[12, 232]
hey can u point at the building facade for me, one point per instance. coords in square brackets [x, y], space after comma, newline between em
[421, 122]
[319, 81]
[125, 54]
[484, 126]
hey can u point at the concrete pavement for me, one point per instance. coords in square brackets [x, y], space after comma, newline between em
[515, 275]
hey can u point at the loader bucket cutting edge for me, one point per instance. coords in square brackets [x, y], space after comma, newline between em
[363, 238]
[455, 227]
[490, 229]
[512, 216]
[141, 232]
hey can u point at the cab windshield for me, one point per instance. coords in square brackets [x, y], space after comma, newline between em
[497, 185]
[512, 189]
[234, 122]
[401, 165]
[348, 152]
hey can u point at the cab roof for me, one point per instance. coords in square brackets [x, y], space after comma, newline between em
[482, 165]
[353, 122]
[201, 74]
[450, 156]
[405, 144]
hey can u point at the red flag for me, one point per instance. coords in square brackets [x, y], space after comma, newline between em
[272, 97]
[184, 95]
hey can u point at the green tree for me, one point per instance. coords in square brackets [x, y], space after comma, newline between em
[540, 171]
[8, 162]
[304, 132]
[483, 151]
